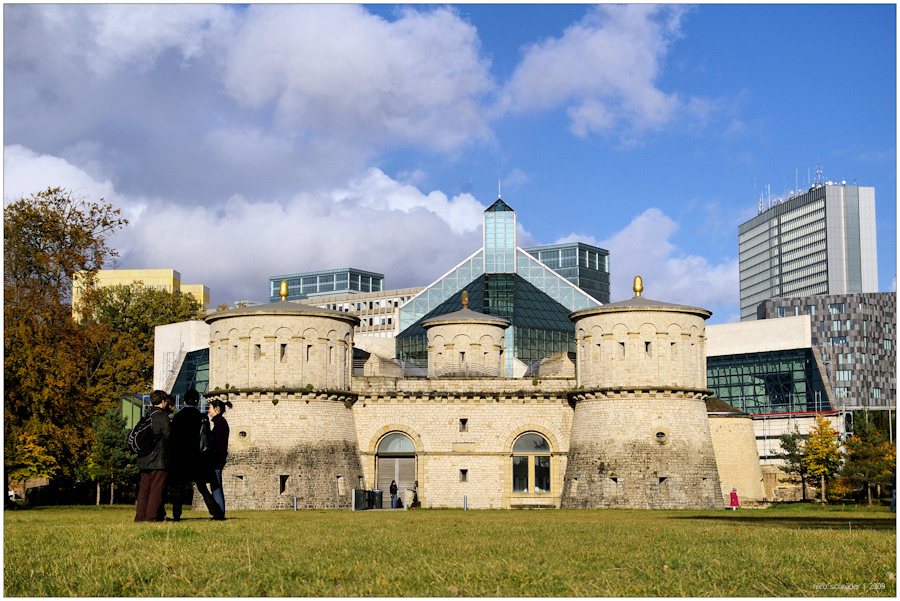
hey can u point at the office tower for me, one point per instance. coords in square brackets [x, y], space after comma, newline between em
[819, 242]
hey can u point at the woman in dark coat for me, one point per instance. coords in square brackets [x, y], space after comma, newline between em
[393, 494]
[219, 453]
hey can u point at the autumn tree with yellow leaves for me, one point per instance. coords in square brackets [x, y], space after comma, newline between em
[823, 453]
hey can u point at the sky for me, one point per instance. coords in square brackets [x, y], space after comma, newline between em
[245, 141]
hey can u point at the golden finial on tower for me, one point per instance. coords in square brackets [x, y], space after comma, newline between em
[638, 285]
[283, 290]
[465, 299]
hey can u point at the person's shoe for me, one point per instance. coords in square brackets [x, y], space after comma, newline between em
[218, 518]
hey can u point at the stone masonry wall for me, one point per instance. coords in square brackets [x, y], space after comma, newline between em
[274, 351]
[290, 444]
[641, 450]
[737, 458]
[432, 420]
[641, 348]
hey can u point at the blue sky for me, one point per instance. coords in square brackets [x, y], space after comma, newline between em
[250, 141]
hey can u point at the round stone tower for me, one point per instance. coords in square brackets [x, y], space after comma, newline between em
[465, 343]
[286, 369]
[640, 434]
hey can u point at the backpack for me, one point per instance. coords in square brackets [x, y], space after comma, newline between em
[205, 436]
[140, 439]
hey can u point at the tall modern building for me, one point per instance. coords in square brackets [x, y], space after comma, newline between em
[584, 265]
[501, 280]
[819, 242]
[326, 283]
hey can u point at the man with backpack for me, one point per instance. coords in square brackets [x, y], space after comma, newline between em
[189, 457]
[153, 459]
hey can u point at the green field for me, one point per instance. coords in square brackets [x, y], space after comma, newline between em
[785, 551]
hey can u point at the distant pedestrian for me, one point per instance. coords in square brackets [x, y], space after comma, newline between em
[894, 501]
[735, 503]
[393, 494]
[219, 454]
[187, 465]
[154, 466]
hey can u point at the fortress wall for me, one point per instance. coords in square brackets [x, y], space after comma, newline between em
[484, 449]
[477, 387]
[734, 443]
[271, 352]
[303, 445]
[616, 458]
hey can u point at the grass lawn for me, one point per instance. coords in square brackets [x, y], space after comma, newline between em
[784, 551]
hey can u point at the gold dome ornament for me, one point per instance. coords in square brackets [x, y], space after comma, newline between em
[638, 285]
[465, 299]
[283, 290]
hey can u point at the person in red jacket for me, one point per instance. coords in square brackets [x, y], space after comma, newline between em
[735, 503]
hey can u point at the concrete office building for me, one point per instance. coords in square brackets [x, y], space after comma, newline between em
[160, 279]
[855, 336]
[822, 241]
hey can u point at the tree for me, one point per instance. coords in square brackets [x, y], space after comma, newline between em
[110, 460]
[823, 455]
[127, 315]
[871, 457]
[793, 453]
[47, 238]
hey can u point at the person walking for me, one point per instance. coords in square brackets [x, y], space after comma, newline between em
[154, 465]
[393, 494]
[735, 503]
[219, 453]
[187, 463]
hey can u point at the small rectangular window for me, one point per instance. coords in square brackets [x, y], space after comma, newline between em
[282, 484]
[342, 488]
[463, 475]
[257, 351]
[283, 352]
[463, 424]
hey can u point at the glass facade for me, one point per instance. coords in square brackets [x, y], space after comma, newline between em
[333, 281]
[504, 281]
[499, 238]
[584, 265]
[194, 374]
[541, 325]
[771, 382]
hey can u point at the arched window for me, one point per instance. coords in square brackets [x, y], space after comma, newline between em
[531, 464]
[396, 443]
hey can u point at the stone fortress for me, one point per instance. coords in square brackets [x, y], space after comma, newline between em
[625, 426]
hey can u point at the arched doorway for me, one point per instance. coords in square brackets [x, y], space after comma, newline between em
[395, 460]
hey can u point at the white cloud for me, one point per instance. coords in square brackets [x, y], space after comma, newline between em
[341, 70]
[138, 33]
[603, 69]
[372, 223]
[377, 191]
[25, 173]
[644, 248]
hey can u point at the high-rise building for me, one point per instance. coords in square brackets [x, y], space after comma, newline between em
[819, 242]
[330, 282]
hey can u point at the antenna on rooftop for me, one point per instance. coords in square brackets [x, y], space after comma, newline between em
[499, 196]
